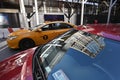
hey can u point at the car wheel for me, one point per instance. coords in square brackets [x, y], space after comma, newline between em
[26, 43]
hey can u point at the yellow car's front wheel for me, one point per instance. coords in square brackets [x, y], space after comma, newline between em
[26, 43]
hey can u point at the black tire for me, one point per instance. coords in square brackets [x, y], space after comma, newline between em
[26, 43]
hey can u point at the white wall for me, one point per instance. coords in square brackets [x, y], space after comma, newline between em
[4, 32]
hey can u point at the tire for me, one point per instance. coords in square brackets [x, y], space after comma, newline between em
[26, 43]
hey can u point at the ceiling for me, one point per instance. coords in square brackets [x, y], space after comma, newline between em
[15, 3]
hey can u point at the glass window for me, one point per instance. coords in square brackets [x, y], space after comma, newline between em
[64, 25]
[50, 57]
[86, 43]
[47, 27]
[56, 26]
[53, 52]
[61, 26]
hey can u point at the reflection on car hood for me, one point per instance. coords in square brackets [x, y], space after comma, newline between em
[19, 32]
[111, 31]
[17, 66]
[77, 66]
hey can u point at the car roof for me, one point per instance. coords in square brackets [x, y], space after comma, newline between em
[45, 23]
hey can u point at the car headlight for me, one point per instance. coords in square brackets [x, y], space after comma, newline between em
[12, 37]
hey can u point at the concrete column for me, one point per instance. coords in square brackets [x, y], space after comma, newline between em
[110, 8]
[82, 11]
[63, 8]
[44, 6]
[36, 11]
[23, 12]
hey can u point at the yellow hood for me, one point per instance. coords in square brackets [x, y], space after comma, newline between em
[19, 32]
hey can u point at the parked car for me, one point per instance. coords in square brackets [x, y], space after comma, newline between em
[37, 35]
[106, 30]
[75, 55]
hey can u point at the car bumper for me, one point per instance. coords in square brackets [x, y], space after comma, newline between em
[14, 44]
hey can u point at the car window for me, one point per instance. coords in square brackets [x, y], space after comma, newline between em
[87, 43]
[49, 58]
[56, 26]
[64, 25]
[84, 42]
[51, 53]
[47, 27]
[61, 26]
[34, 28]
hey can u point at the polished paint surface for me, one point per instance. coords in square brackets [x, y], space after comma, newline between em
[18, 66]
[38, 35]
[111, 31]
[105, 66]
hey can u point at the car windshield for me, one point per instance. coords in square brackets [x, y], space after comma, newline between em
[51, 53]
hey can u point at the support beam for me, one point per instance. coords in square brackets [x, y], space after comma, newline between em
[36, 11]
[44, 7]
[63, 8]
[23, 12]
[110, 8]
[82, 12]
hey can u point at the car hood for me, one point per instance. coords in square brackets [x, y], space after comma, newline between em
[19, 32]
[75, 65]
[18, 66]
[111, 31]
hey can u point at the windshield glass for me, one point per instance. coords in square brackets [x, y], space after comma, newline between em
[76, 52]
[81, 41]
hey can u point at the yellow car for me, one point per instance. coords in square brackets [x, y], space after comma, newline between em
[39, 35]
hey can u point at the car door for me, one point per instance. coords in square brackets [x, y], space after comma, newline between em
[45, 35]
[60, 28]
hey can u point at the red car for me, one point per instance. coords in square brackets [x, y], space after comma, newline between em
[75, 55]
[106, 30]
